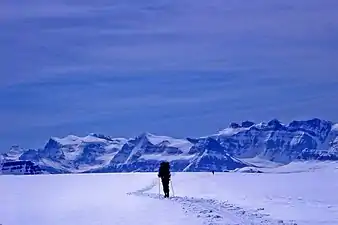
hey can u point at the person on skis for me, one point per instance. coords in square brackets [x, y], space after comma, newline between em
[164, 174]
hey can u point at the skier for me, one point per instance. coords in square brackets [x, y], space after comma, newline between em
[213, 172]
[164, 174]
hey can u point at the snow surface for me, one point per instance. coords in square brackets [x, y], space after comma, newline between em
[181, 144]
[335, 127]
[259, 162]
[75, 140]
[231, 131]
[200, 198]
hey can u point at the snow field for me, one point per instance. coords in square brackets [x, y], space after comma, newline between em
[200, 198]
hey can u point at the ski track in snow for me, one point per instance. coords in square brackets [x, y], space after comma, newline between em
[214, 212]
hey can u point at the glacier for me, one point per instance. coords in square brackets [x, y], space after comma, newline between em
[230, 149]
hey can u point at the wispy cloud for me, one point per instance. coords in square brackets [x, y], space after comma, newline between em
[67, 65]
[176, 35]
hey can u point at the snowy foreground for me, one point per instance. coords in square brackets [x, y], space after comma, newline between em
[302, 193]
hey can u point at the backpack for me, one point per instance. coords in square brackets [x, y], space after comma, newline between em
[164, 170]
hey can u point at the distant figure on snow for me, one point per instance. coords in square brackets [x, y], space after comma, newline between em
[164, 174]
[213, 172]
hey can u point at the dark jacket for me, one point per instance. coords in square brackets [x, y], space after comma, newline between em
[164, 171]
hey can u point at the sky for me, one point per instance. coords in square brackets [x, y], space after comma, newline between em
[170, 67]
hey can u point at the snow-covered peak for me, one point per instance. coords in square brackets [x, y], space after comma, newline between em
[276, 141]
[270, 140]
[335, 127]
[247, 124]
[73, 153]
[102, 136]
[315, 127]
[275, 124]
[231, 131]
[72, 141]
[235, 128]
[13, 153]
[55, 142]
[155, 140]
[166, 141]
[75, 140]
[16, 149]
[182, 144]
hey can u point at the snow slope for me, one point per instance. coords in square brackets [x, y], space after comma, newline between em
[306, 198]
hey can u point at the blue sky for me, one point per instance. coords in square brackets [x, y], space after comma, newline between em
[178, 67]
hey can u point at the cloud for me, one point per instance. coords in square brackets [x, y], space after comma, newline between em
[75, 62]
[155, 35]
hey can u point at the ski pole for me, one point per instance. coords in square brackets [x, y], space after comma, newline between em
[159, 188]
[172, 188]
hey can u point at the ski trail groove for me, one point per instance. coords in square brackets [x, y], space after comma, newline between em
[214, 212]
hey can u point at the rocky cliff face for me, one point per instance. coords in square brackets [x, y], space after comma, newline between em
[20, 168]
[276, 141]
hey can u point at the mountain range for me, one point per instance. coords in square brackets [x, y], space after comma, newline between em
[227, 150]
